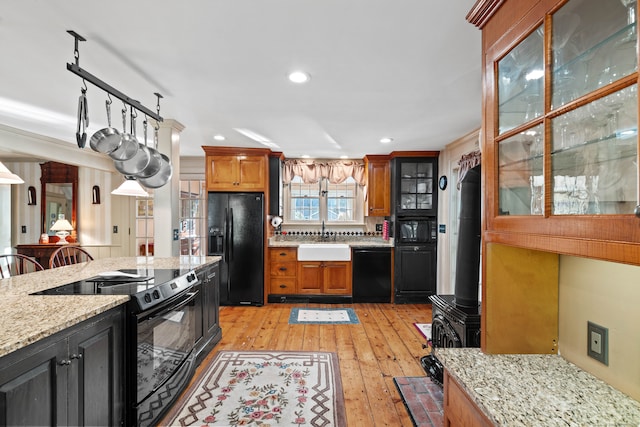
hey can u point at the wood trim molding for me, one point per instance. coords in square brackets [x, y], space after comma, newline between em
[232, 151]
[395, 154]
[482, 11]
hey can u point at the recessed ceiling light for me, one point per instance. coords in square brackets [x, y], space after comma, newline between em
[299, 77]
[386, 140]
[219, 137]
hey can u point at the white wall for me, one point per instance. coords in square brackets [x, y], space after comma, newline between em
[5, 218]
[447, 214]
[608, 294]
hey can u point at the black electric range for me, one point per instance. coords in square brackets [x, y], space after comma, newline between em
[159, 337]
[148, 287]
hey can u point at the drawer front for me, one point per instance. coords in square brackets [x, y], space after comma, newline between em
[283, 285]
[283, 268]
[283, 254]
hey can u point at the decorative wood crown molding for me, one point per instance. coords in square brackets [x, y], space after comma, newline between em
[482, 11]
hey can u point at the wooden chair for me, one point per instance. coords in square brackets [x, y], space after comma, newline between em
[15, 264]
[67, 255]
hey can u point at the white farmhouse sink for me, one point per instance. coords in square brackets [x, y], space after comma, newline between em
[324, 252]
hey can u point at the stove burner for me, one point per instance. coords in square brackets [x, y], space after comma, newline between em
[146, 287]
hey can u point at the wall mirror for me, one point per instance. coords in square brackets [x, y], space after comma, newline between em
[59, 195]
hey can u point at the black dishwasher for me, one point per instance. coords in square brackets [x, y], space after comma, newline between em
[371, 275]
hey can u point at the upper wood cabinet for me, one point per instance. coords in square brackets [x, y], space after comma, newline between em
[378, 201]
[560, 145]
[236, 169]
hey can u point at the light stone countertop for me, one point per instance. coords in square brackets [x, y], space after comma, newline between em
[28, 318]
[537, 390]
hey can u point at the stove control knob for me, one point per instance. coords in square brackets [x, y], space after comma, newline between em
[147, 298]
[156, 294]
[190, 277]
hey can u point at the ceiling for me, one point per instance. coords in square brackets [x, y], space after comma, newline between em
[404, 69]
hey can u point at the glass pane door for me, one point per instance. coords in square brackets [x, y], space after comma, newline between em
[520, 177]
[521, 82]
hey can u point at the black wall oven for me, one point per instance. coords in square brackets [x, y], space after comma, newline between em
[416, 231]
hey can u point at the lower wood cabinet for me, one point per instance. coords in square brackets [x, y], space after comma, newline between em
[324, 277]
[283, 267]
[459, 410]
[74, 377]
[208, 331]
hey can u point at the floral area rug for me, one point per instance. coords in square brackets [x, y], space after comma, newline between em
[259, 388]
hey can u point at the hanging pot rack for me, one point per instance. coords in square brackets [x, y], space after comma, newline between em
[87, 76]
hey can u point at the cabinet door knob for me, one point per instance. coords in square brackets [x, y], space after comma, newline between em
[76, 356]
[283, 286]
[64, 362]
[283, 254]
[283, 268]
[636, 211]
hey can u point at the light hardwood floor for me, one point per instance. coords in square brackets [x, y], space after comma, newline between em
[384, 345]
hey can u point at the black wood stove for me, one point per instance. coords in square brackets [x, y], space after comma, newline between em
[456, 318]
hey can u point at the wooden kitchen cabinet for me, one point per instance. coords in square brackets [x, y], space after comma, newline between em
[283, 270]
[378, 202]
[415, 274]
[208, 331]
[75, 377]
[560, 144]
[324, 277]
[236, 169]
[415, 190]
[459, 409]
[559, 155]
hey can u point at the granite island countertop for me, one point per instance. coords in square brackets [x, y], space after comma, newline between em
[28, 318]
[537, 390]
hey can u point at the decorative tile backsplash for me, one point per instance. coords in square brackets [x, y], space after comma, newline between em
[294, 235]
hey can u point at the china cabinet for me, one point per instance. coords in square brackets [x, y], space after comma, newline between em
[560, 126]
[415, 187]
[236, 169]
[378, 185]
[560, 147]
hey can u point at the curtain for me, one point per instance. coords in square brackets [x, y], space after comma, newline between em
[467, 162]
[335, 170]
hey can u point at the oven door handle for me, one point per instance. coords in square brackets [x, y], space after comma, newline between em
[188, 298]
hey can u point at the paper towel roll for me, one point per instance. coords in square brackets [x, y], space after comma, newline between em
[276, 221]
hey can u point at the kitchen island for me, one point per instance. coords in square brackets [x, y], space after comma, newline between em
[78, 359]
[28, 318]
[528, 390]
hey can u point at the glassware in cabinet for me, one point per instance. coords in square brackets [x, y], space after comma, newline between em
[520, 173]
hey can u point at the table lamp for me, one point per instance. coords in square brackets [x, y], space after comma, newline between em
[62, 228]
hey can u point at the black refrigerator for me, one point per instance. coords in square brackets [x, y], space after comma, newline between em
[236, 233]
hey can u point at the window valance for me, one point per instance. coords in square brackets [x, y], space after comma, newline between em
[468, 162]
[336, 171]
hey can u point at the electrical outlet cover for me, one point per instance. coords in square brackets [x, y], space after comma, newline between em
[598, 342]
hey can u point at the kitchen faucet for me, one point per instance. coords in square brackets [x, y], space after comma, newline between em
[322, 232]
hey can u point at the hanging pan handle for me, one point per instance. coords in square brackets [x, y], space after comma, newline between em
[83, 118]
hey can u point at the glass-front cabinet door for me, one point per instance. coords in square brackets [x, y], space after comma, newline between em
[567, 114]
[417, 192]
